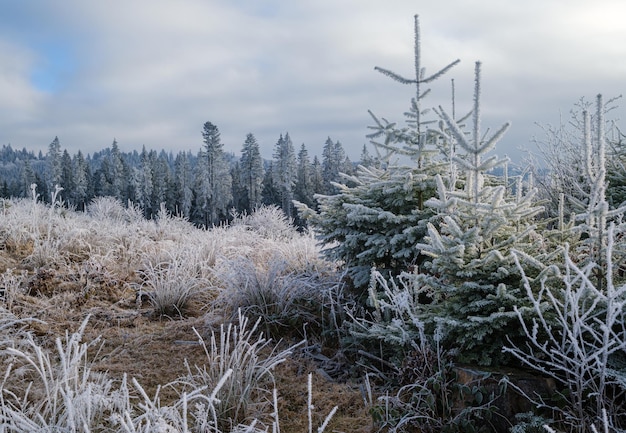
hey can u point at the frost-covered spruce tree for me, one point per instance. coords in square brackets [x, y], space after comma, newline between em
[285, 172]
[378, 214]
[472, 278]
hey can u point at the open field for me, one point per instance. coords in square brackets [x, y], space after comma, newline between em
[151, 295]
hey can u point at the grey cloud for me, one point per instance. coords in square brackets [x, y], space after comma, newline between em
[152, 72]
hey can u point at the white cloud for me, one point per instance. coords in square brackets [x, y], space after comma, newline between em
[153, 71]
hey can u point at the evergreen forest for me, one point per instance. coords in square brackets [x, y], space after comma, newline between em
[207, 188]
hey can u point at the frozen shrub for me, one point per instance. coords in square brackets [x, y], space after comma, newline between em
[268, 221]
[109, 208]
[577, 336]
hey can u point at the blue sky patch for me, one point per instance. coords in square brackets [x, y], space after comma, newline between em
[54, 69]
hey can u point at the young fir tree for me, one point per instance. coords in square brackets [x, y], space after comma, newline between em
[565, 174]
[472, 279]
[377, 215]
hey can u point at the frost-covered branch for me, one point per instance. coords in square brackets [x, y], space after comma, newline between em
[576, 332]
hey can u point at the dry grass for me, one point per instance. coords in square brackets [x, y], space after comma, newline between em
[58, 267]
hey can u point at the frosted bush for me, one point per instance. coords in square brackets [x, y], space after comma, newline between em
[268, 221]
[109, 208]
[285, 302]
[582, 350]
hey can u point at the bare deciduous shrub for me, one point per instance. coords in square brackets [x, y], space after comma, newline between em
[580, 350]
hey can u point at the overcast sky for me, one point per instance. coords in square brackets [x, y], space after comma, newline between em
[151, 72]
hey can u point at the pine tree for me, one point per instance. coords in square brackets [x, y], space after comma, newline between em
[251, 173]
[53, 163]
[215, 189]
[285, 173]
[303, 190]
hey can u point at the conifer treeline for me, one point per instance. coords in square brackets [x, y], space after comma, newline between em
[207, 187]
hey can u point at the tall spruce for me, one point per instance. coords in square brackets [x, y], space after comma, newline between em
[82, 175]
[251, 165]
[183, 184]
[53, 164]
[304, 189]
[285, 173]
[215, 183]
[161, 179]
[270, 193]
[67, 177]
[333, 158]
[119, 173]
[375, 217]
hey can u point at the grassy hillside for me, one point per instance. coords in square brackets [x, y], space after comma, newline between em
[110, 322]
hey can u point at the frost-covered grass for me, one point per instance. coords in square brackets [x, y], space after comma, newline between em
[45, 391]
[168, 259]
[58, 392]
[175, 270]
[235, 355]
